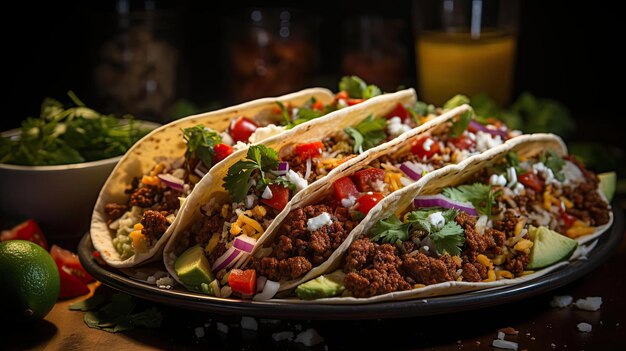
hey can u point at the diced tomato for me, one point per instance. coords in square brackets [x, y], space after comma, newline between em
[27, 230]
[242, 281]
[318, 106]
[309, 150]
[398, 111]
[342, 95]
[568, 219]
[462, 142]
[344, 188]
[69, 260]
[531, 180]
[368, 201]
[242, 128]
[222, 151]
[424, 148]
[280, 197]
[365, 178]
[73, 276]
[352, 102]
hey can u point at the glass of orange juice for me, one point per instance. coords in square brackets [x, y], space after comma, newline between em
[465, 47]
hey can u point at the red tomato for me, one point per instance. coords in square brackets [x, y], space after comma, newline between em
[531, 180]
[568, 219]
[398, 111]
[280, 197]
[27, 230]
[368, 201]
[242, 128]
[462, 142]
[352, 102]
[419, 147]
[342, 95]
[222, 151]
[73, 276]
[365, 178]
[344, 188]
[318, 105]
[242, 281]
[309, 150]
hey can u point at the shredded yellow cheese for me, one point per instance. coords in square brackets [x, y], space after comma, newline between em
[485, 261]
[579, 228]
[523, 245]
[150, 180]
[157, 169]
[139, 241]
[503, 274]
[491, 276]
[215, 238]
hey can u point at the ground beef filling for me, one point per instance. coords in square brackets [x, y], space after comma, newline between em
[297, 250]
[115, 211]
[154, 225]
[158, 198]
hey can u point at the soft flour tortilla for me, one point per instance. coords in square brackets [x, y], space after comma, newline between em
[211, 184]
[167, 141]
[433, 183]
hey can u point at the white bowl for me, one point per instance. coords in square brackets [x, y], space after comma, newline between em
[60, 198]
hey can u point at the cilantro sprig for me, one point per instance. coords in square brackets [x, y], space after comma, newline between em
[357, 88]
[480, 195]
[368, 133]
[259, 158]
[200, 144]
[304, 114]
[555, 162]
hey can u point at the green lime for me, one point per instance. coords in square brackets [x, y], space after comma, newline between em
[29, 281]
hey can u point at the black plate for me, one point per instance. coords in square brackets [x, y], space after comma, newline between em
[440, 305]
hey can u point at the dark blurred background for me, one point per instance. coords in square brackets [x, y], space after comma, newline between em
[200, 57]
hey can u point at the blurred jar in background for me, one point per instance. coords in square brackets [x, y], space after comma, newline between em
[138, 64]
[374, 51]
[270, 52]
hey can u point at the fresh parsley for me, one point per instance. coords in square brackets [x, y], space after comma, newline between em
[390, 230]
[237, 180]
[555, 162]
[200, 143]
[357, 88]
[449, 239]
[65, 135]
[368, 133]
[117, 315]
[478, 194]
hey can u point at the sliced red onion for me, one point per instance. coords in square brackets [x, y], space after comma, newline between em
[283, 168]
[200, 169]
[244, 243]
[171, 181]
[270, 289]
[442, 201]
[411, 170]
[227, 259]
[260, 283]
[476, 126]
[308, 169]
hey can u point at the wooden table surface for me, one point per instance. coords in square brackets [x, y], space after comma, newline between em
[540, 326]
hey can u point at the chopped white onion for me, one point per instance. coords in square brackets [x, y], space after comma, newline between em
[270, 289]
[307, 174]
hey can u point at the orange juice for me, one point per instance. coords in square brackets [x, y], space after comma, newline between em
[456, 63]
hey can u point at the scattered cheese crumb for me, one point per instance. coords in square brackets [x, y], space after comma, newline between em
[500, 335]
[584, 327]
[504, 344]
[561, 301]
[199, 332]
[589, 303]
[165, 283]
[222, 328]
[309, 337]
[317, 222]
[280, 336]
[249, 323]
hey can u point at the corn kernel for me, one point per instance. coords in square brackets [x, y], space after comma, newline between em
[259, 211]
[498, 260]
[547, 198]
[138, 226]
[523, 244]
[215, 238]
[519, 226]
[235, 229]
[139, 241]
[485, 261]
[150, 180]
[579, 230]
[504, 274]
[491, 276]
[225, 210]
[157, 169]
[457, 260]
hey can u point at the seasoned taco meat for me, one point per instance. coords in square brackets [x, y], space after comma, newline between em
[154, 225]
[114, 211]
[429, 270]
[145, 196]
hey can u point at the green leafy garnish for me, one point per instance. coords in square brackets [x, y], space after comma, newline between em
[423, 109]
[282, 181]
[390, 230]
[260, 158]
[555, 162]
[283, 112]
[118, 314]
[460, 125]
[305, 114]
[69, 135]
[512, 159]
[368, 133]
[200, 143]
[449, 239]
[478, 194]
[421, 217]
[456, 101]
[89, 304]
[357, 88]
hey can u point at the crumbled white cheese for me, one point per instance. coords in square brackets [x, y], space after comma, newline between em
[240, 145]
[264, 133]
[297, 180]
[341, 103]
[573, 174]
[561, 301]
[280, 336]
[589, 303]
[227, 139]
[315, 223]
[427, 144]
[250, 201]
[584, 327]
[512, 175]
[267, 193]
[395, 126]
[249, 323]
[497, 179]
[348, 202]
[486, 141]
[380, 185]
[545, 172]
[500, 335]
[436, 220]
[309, 337]
[517, 189]
[504, 344]
[199, 331]
[471, 135]
[222, 328]
[165, 283]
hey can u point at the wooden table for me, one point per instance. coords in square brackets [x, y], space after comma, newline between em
[540, 326]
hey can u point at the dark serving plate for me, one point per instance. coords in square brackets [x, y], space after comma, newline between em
[180, 297]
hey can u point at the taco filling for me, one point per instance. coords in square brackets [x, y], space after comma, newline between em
[485, 230]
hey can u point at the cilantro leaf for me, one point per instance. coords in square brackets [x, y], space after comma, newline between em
[304, 115]
[200, 143]
[460, 125]
[390, 230]
[478, 194]
[423, 109]
[285, 114]
[456, 101]
[237, 180]
[118, 315]
[555, 162]
[449, 239]
[353, 85]
[368, 133]
[512, 159]
[371, 91]
[421, 217]
[282, 181]
[356, 136]
[89, 304]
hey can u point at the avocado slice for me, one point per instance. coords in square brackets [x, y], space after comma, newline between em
[193, 269]
[549, 247]
[328, 285]
[607, 184]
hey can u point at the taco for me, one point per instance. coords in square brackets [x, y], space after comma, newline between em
[508, 215]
